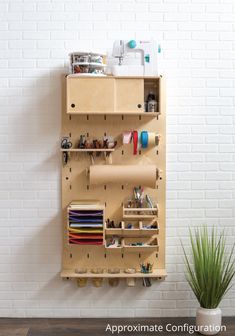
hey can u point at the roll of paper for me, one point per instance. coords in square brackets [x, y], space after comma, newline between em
[133, 175]
[151, 139]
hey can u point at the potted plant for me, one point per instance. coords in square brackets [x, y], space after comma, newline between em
[209, 275]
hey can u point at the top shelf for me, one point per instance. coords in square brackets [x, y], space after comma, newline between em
[126, 77]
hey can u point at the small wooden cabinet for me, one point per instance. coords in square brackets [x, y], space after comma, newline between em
[106, 95]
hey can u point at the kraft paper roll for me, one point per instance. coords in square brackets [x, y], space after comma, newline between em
[134, 175]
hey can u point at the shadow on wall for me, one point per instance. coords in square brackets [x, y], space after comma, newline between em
[35, 121]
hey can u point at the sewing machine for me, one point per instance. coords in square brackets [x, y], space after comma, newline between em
[149, 51]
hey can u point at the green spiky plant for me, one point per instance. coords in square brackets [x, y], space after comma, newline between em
[212, 269]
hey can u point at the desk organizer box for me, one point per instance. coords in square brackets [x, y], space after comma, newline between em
[97, 183]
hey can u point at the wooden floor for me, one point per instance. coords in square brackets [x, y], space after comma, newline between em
[94, 327]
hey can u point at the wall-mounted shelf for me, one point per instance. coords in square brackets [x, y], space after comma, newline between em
[120, 95]
[138, 230]
[107, 106]
[157, 273]
[141, 114]
[140, 213]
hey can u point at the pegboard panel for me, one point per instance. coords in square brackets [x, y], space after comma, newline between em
[75, 182]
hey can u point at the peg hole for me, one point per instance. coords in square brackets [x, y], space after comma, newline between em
[70, 134]
[139, 255]
[105, 255]
[70, 117]
[122, 117]
[105, 133]
[70, 187]
[139, 152]
[157, 152]
[87, 134]
[71, 256]
[70, 169]
[67, 178]
[88, 255]
[140, 117]
[105, 187]
[87, 117]
[105, 118]
[122, 255]
[87, 187]
[122, 152]
[122, 187]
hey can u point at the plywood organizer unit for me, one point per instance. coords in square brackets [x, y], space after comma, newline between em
[98, 107]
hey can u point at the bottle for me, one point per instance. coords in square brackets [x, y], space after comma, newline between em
[152, 103]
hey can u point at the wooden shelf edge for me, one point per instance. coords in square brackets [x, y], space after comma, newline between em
[132, 232]
[159, 273]
[145, 114]
[88, 150]
[140, 216]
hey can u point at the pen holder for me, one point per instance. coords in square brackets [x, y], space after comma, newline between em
[146, 268]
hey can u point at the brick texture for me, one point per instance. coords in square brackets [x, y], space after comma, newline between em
[198, 43]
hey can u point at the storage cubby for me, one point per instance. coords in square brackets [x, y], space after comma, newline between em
[114, 242]
[151, 86]
[140, 213]
[140, 244]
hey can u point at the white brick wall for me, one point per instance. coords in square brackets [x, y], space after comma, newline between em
[198, 42]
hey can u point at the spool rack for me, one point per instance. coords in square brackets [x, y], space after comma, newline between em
[104, 106]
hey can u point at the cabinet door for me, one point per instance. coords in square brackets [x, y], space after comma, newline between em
[90, 95]
[129, 95]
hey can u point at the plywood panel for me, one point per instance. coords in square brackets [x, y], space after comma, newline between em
[90, 94]
[75, 184]
[129, 95]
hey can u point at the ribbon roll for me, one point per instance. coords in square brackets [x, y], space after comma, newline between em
[144, 139]
[135, 142]
[151, 139]
[126, 137]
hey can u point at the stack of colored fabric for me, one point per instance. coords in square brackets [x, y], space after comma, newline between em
[85, 227]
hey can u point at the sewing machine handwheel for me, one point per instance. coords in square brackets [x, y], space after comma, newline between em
[139, 105]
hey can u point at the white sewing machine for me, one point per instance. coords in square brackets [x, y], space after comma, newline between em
[149, 51]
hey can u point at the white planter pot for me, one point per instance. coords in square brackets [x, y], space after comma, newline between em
[209, 321]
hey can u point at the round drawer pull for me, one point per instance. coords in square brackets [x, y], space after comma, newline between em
[72, 105]
[139, 105]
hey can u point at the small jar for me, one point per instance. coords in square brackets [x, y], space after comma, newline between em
[130, 282]
[97, 282]
[152, 106]
[113, 282]
[81, 282]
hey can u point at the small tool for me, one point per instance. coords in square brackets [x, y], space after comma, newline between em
[66, 143]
